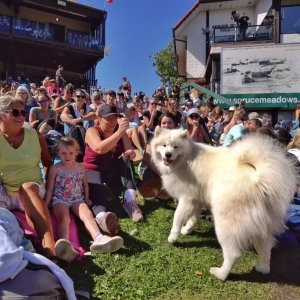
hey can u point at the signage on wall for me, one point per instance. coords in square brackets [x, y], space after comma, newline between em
[62, 2]
[261, 75]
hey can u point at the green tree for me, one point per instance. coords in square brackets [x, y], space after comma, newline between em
[165, 63]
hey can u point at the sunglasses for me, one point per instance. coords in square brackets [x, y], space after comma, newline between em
[43, 101]
[173, 103]
[16, 112]
[111, 119]
[193, 117]
[153, 103]
[79, 96]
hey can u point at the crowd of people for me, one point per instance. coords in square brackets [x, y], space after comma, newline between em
[117, 127]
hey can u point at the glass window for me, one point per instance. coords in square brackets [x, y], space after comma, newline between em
[290, 19]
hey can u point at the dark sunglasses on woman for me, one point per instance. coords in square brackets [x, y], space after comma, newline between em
[16, 112]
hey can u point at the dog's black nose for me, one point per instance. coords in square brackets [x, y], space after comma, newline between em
[168, 154]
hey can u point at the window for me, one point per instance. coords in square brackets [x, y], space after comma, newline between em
[290, 19]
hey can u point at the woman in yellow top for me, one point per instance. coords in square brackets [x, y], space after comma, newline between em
[21, 185]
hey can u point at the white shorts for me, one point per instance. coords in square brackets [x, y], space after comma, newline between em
[13, 202]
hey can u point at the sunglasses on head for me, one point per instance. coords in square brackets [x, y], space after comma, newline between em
[79, 96]
[43, 101]
[15, 112]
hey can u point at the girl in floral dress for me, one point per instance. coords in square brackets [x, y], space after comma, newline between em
[67, 188]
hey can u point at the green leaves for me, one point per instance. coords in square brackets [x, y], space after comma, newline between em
[165, 63]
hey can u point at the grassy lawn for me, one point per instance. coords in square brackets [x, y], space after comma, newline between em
[147, 267]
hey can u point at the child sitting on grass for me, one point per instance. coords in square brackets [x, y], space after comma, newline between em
[67, 188]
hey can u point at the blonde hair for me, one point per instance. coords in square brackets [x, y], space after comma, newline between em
[295, 143]
[24, 89]
[237, 114]
[67, 142]
[46, 81]
[6, 100]
[202, 109]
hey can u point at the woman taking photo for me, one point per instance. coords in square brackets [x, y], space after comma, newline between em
[52, 88]
[107, 154]
[21, 184]
[151, 116]
[42, 112]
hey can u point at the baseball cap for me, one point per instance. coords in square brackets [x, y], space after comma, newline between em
[33, 84]
[107, 110]
[188, 103]
[193, 111]
[253, 115]
[287, 123]
[231, 108]
[124, 77]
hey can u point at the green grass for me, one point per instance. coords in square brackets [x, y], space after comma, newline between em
[148, 267]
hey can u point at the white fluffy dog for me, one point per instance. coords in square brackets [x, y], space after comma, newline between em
[248, 187]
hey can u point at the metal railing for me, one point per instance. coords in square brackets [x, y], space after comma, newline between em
[235, 33]
[39, 32]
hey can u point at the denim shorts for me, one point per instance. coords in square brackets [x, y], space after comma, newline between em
[69, 204]
[13, 202]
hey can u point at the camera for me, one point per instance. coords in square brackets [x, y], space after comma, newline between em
[235, 16]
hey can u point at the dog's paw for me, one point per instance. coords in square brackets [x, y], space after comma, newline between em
[185, 230]
[218, 273]
[172, 238]
[262, 268]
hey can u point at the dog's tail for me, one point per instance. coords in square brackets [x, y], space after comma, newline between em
[266, 183]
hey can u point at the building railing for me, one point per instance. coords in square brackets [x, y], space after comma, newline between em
[39, 32]
[235, 33]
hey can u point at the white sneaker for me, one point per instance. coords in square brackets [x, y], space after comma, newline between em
[64, 250]
[104, 244]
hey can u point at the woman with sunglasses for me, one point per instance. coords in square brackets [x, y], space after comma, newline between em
[173, 108]
[23, 94]
[107, 154]
[21, 185]
[43, 112]
[52, 88]
[77, 113]
[66, 99]
[196, 129]
[151, 116]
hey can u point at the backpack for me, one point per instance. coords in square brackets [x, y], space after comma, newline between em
[78, 133]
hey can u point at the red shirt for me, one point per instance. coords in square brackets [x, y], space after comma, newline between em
[101, 162]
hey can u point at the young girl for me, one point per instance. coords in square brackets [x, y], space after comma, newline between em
[68, 189]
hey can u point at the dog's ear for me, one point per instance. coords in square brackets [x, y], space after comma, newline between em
[157, 131]
[184, 134]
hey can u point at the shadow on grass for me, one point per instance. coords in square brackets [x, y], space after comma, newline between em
[132, 245]
[198, 244]
[285, 266]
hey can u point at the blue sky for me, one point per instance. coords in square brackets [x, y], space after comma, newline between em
[135, 29]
